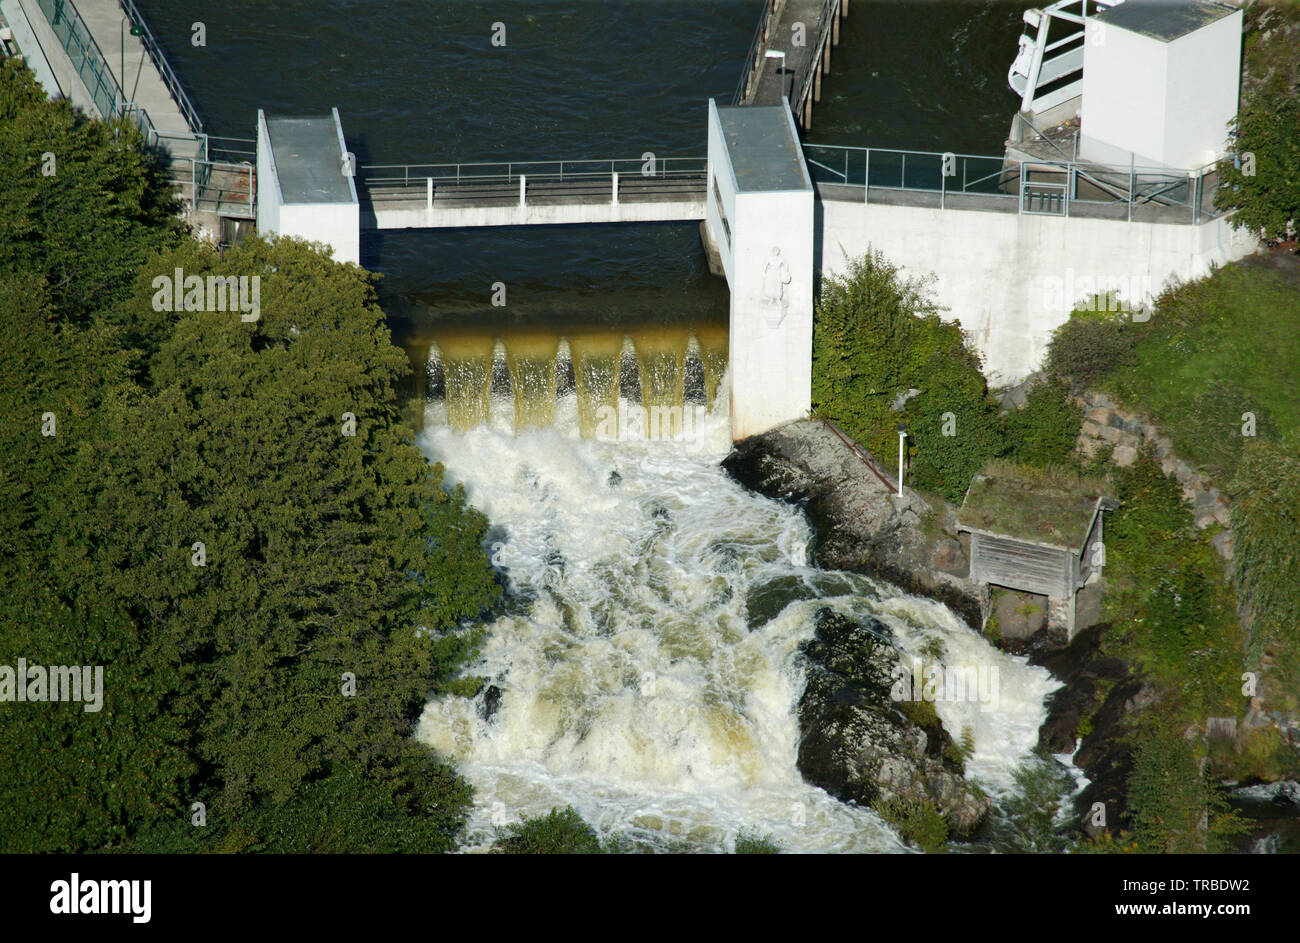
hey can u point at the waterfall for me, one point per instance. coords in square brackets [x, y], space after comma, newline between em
[648, 661]
[647, 382]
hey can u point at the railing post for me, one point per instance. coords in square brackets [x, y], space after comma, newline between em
[428, 193]
[866, 176]
[1130, 187]
[614, 190]
[522, 186]
[1024, 181]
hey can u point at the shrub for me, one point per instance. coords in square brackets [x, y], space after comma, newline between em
[877, 337]
[1043, 431]
[1174, 811]
[917, 821]
[1265, 520]
[1262, 185]
[559, 832]
[1087, 347]
[751, 843]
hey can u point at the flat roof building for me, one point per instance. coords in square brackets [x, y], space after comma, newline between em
[305, 183]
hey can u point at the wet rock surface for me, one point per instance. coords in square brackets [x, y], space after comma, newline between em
[854, 741]
[860, 523]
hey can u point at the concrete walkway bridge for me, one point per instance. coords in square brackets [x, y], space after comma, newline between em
[102, 57]
[645, 189]
[789, 54]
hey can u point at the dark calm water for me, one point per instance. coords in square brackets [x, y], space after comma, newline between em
[420, 82]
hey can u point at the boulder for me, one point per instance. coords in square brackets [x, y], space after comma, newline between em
[1124, 455]
[949, 557]
[854, 741]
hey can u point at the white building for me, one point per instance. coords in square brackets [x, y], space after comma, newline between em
[305, 184]
[1160, 83]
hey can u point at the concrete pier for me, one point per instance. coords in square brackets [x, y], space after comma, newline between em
[100, 55]
[790, 55]
[304, 183]
[761, 221]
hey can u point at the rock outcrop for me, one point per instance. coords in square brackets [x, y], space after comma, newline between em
[861, 524]
[857, 745]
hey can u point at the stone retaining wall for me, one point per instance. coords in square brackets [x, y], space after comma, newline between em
[1105, 423]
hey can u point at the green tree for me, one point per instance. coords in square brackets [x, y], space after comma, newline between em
[231, 519]
[74, 779]
[1261, 184]
[85, 204]
[877, 338]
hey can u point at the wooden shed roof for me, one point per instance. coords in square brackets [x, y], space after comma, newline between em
[1052, 510]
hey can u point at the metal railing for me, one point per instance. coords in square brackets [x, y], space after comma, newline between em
[508, 173]
[232, 150]
[85, 55]
[753, 61]
[1049, 187]
[226, 188]
[802, 86]
[187, 109]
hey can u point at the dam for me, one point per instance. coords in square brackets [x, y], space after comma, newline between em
[1012, 241]
[1108, 179]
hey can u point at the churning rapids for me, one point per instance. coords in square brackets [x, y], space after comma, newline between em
[649, 666]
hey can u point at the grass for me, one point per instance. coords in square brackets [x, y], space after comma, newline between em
[1051, 505]
[1215, 349]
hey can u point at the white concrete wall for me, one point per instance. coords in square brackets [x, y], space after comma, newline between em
[723, 175]
[1123, 110]
[336, 224]
[769, 248]
[268, 184]
[1010, 279]
[67, 82]
[411, 216]
[33, 53]
[771, 363]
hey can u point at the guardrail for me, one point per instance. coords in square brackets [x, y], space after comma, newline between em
[802, 86]
[1046, 187]
[85, 55]
[187, 109]
[503, 173]
[753, 61]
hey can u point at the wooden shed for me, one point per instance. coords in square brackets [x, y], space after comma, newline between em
[1036, 534]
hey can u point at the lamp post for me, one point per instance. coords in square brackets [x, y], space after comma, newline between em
[902, 434]
[777, 54]
[121, 35]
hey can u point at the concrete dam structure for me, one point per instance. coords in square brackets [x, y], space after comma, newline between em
[1106, 185]
[1012, 243]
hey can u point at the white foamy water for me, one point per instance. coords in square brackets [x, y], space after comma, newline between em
[633, 687]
